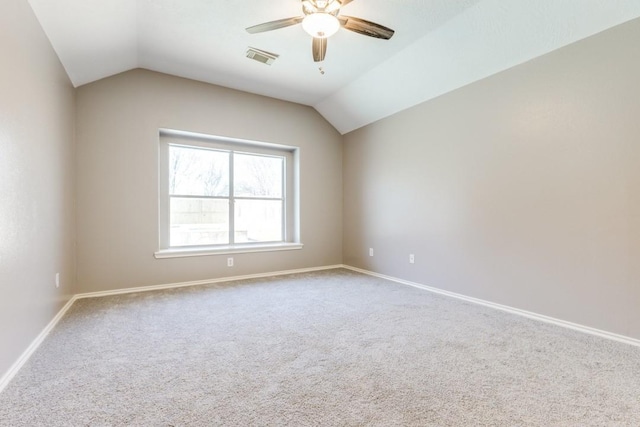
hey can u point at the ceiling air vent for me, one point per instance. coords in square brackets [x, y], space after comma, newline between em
[261, 55]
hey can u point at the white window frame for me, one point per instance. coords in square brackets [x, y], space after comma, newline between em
[291, 199]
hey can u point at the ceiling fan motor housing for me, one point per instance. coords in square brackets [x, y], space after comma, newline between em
[320, 21]
[320, 25]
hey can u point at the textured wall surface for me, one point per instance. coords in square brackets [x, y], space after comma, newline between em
[37, 215]
[118, 122]
[522, 189]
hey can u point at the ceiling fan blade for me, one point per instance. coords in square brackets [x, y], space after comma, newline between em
[368, 28]
[319, 49]
[336, 5]
[308, 7]
[274, 25]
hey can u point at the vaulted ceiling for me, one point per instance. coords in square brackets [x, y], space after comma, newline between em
[438, 45]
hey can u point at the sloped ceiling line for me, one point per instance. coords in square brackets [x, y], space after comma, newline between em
[439, 46]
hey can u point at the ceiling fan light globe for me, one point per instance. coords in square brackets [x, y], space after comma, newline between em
[320, 25]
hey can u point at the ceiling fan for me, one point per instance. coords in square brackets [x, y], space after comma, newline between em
[321, 21]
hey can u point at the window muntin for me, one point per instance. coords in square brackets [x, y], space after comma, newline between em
[220, 195]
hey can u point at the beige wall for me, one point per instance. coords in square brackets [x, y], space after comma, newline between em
[118, 121]
[522, 189]
[37, 215]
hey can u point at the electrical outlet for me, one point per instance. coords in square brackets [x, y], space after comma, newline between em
[230, 262]
[370, 251]
[412, 259]
[57, 280]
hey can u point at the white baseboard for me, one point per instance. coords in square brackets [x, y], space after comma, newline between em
[508, 309]
[24, 357]
[13, 370]
[202, 282]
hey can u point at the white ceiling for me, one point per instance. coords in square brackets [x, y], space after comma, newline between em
[439, 45]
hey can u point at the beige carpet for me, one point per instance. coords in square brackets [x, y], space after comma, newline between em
[332, 348]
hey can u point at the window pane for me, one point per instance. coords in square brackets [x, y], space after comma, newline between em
[258, 221]
[198, 172]
[257, 176]
[198, 222]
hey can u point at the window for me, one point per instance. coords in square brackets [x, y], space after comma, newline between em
[219, 195]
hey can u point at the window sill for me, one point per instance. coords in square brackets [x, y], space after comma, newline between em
[223, 250]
